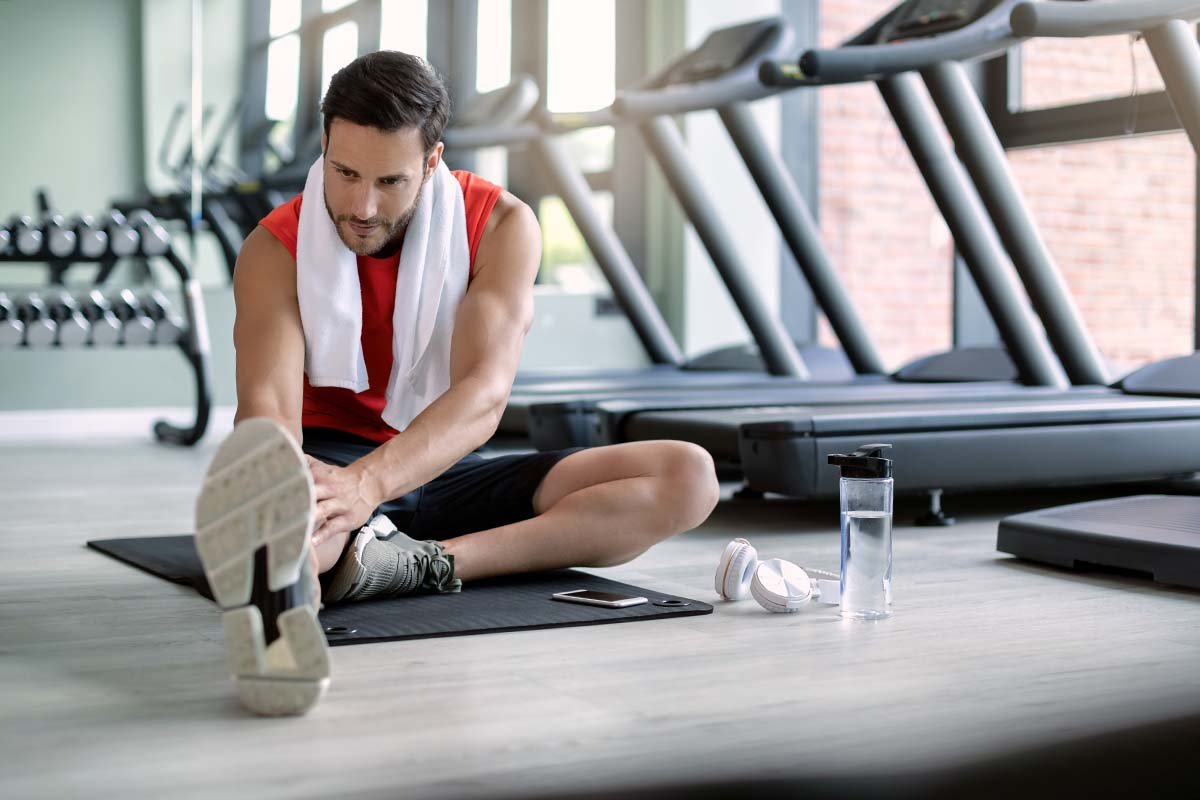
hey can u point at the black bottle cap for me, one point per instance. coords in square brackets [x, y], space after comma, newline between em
[867, 462]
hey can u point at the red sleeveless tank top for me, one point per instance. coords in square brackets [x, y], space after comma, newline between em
[343, 409]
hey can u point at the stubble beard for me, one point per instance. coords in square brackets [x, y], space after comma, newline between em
[392, 240]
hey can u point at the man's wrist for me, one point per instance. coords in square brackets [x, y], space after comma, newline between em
[370, 483]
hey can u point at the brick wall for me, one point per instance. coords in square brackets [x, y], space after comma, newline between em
[1117, 216]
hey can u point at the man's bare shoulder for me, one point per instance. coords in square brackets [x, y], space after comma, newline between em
[264, 264]
[511, 242]
[511, 213]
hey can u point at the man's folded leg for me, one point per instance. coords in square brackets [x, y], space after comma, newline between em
[380, 561]
[486, 517]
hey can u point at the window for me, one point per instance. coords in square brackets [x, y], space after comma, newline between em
[403, 26]
[283, 78]
[566, 259]
[580, 55]
[339, 48]
[580, 76]
[1118, 216]
[285, 17]
[881, 227]
[1056, 72]
[283, 72]
[493, 64]
[1118, 213]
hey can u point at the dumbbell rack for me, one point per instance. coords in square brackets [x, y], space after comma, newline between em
[193, 342]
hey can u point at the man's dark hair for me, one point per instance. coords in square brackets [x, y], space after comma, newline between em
[390, 91]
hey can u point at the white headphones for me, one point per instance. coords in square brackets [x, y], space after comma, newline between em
[778, 586]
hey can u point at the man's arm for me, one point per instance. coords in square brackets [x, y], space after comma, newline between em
[491, 325]
[267, 334]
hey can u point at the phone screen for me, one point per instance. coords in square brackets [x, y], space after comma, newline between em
[608, 597]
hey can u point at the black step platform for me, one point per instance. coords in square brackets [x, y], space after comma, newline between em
[1158, 535]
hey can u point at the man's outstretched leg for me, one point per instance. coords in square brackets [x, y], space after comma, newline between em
[254, 520]
[597, 507]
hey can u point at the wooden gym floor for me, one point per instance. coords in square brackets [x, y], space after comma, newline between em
[114, 681]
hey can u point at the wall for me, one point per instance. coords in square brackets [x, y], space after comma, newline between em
[71, 100]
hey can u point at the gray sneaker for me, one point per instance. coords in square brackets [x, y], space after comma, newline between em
[382, 562]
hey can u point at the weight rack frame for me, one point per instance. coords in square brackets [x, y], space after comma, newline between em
[193, 341]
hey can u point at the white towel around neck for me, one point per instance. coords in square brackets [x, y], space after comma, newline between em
[432, 281]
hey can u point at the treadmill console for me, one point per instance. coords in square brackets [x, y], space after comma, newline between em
[722, 52]
[926, 17]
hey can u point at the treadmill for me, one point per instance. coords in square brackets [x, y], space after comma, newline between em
[722, 74]
[1079, 435]
[506, 117]
[496, 119]
[1154, 535]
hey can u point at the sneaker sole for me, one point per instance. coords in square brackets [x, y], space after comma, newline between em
[259, 494]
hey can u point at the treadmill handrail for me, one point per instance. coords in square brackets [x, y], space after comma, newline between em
[738, 85]
[496, 118]
[507, 105]
[475, 138]
[1058, 19]
[987, 36]
[509, 117]
[571, 121]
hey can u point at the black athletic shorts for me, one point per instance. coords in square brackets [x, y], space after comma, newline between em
[475, 494]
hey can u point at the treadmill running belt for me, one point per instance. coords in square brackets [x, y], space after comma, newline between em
[520, 602]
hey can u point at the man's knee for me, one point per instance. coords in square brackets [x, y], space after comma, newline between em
[688, 488]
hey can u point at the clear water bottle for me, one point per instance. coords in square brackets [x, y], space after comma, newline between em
[866, 500]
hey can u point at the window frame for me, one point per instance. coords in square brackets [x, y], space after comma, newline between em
[313, 25]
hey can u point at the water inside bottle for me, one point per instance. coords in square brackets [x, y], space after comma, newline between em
[866, 564]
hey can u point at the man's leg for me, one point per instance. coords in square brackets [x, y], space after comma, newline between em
[340, 449]
[597, 508]
[253, 519]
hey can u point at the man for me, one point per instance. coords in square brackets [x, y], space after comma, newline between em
[463, 517]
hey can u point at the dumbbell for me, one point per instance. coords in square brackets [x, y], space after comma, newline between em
[91, 237]
[74, 330]
[155, 239]
[12, 329]
[59, 237]
[106, 328]
[122, 237]
[168, 326]
[40, 328]
[136, 328]
[25, 235]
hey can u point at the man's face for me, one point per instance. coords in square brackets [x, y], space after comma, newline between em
[373, 180]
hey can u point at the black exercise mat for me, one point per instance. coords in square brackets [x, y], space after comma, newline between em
[520, 602]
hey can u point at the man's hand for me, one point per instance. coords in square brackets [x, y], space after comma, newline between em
[346, 498]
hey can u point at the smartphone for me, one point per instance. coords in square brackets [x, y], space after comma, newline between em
[606, 599]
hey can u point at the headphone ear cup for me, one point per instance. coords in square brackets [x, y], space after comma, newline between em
[735, 570]
[780, 586]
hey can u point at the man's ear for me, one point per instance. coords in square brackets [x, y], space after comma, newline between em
[324, 143]
[434, 158]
